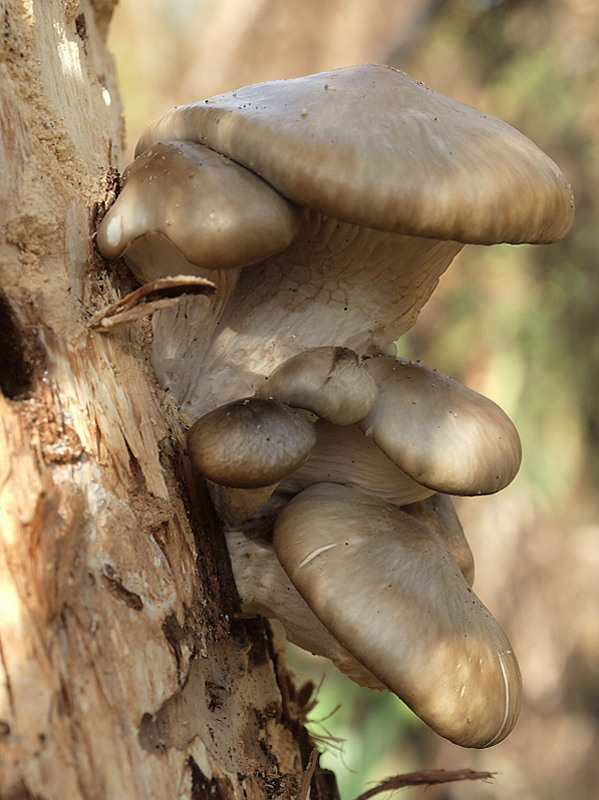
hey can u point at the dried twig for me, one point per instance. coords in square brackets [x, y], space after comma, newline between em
[304, 788]
[429, 777]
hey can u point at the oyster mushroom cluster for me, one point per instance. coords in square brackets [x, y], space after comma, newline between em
[359, 457]
[325, 210]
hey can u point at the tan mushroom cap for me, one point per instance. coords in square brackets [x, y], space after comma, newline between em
[215, 213]
[372, 146]
[332, 382]
[387, 588]
[250, 443]
[444, 435]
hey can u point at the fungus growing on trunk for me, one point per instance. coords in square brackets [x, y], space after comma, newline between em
[392, 179]
[325, 209]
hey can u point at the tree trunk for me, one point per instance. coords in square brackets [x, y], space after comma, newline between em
[123, 672]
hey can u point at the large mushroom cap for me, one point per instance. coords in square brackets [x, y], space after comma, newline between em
[443, 434]
[265, 589]
[387, 588]
[215, 213]
[370, 145]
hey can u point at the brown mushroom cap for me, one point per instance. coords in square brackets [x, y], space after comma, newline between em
[215, 213]
[370, 145]
[387, 588]
[444, 435]
[332, 382]
[250, 443]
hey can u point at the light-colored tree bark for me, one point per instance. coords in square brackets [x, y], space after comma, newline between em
[123, 673]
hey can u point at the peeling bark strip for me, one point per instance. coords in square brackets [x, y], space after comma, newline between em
[122, 674]
[148, 299]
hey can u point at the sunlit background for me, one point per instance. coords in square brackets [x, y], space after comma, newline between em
[519, 324]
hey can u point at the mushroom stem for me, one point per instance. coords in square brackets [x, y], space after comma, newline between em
[345, 455]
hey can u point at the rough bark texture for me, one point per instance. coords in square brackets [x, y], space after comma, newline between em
[123, 673]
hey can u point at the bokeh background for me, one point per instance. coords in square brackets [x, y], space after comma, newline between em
[519, 324]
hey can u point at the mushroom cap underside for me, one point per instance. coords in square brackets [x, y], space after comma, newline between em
[370, 145]
[344, 455]
[409, 617]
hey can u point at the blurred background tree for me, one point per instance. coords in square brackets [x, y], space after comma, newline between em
[519, 324]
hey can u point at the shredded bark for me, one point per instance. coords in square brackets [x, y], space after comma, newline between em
[429, 777]
[307, 775]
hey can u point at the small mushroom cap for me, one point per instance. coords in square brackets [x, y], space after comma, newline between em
[250, 443]
[370, 145]
[332, 382]
[444, 435]
[387, 588]
[214, 212]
